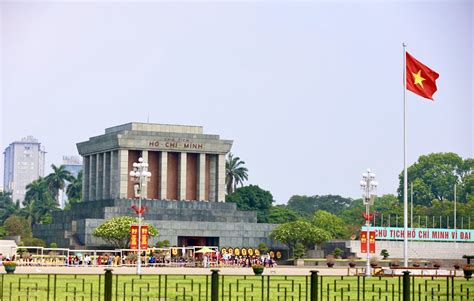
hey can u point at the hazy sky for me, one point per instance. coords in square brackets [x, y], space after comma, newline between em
[310, 92]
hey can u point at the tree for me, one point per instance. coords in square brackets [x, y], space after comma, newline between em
[235, 172]
[299, 231]
[56, 180]
[306, 206]
[39, 203]
[7, 206]
[116, 231]
[331, 223]
[252, 198]
[17, 225]
[74, 189]
[434, 175]
[299, 251]
[280, 214]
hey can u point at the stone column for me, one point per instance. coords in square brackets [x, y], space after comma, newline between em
[99, 176]
[221, 178]
[182, 167]
[123, 176]
[85, 178]
[114, 175]
[213, 178]
[163, 175]
[92, 176]
[201, 179]
[106, 176]
[145, 183]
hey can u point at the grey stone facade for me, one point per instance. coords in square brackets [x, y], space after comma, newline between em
[73, 228]
[185, 198]
[108, 157]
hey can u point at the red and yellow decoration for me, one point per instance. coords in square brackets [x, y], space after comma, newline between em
[420, 79]
[134, 237]
[144, 238]
[363, 242]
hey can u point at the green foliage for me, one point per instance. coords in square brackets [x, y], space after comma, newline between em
[280, 214]
[384, 253]
[235, 173]
[116, 231]
[331, 223]
[163, 244]
[300, 231]
[39, 204]
[299, 251]
[33, 242]
[17, 225]
[74, 189]
[56, 180]
[306, 206]
[434, 175]
[252, 198]
[262, 247]
[53, 245]
[337, 252]
[7, 206]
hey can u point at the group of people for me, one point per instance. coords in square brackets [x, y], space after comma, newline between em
[106, 259]
[211, 259]
[246, 261]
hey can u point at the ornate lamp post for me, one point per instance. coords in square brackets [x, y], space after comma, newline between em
[369, 187]
[139, 175]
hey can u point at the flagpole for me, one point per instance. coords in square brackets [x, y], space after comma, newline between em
[405, 172]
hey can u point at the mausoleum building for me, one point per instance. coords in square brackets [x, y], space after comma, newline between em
[185, 163]
[184, 198]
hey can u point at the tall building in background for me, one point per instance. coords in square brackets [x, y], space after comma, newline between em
[73, 164]
[24, 163]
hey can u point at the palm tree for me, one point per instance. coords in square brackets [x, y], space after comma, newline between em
[7, 206]
[28, 211]
[44, 208]
[36, 193]
[56, 180]
[235, 173]
[36, 190]
[74, 189]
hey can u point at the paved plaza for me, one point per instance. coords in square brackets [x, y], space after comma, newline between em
[277, 271]
[283, 271]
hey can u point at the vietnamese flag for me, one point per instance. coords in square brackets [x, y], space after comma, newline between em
[421, 80]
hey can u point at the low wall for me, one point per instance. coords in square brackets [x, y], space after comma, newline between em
[418, 249]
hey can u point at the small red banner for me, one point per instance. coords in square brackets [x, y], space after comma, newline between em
[133, 237]
[372, 242]
[144, 238]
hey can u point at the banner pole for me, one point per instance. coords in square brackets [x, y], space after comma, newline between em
[405, 172]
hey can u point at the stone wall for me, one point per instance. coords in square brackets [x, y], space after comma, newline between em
[73, 228]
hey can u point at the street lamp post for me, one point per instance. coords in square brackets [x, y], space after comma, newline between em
[139, 175]
[369, 187]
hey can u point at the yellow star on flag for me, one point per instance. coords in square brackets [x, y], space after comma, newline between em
[418, 79]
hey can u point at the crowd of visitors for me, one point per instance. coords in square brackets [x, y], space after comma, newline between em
[151, 258]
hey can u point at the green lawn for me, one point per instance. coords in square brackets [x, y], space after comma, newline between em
[198, 287]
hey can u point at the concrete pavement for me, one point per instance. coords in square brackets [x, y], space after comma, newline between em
[281, 270]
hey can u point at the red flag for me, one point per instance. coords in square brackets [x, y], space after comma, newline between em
[421, 80]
